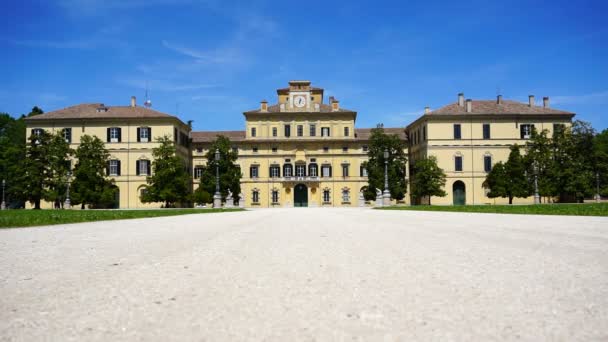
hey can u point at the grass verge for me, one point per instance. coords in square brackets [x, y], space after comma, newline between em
[591, 209]
[28, 218]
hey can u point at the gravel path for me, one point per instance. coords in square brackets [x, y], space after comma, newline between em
[308, 274]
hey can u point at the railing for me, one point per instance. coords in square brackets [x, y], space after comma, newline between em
[299, 179]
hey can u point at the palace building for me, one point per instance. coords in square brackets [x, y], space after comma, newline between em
[303, 151]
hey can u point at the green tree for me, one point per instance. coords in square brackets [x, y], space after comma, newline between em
[58, 153]
[230, 173]
[90, 186]
[36, 171]
[12, 155]
[170, 182]
[428, 179]
[379, 141]
[508, 179]
[600, 152]
[539, 161]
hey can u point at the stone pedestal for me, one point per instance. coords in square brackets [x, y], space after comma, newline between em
[241, 201]
[386, 198]
[67, 204]
[217, 201]
[361, 200]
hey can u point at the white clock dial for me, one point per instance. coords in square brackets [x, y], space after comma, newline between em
[299, 101]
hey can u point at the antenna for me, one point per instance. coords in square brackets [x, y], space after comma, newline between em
[498, 90]
[148, 102]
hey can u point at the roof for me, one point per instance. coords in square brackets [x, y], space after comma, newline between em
[323, 108]
[208, 136]
[492, 107]
[90, 111]
[239, 136]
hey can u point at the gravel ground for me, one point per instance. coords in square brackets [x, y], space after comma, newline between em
[308, 274]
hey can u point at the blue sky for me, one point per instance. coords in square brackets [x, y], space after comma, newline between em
[210, 60]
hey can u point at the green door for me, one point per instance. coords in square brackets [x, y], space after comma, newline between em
[300, 196]
[459, 193]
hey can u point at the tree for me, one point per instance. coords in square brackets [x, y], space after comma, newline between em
[508, 179]
[230, 172]
[35, 176]
[428, 179]
[539, 161]
[379, 141]
[58, 153]
[12, 155]
[90, 185]
[600, 152]
[170, 182]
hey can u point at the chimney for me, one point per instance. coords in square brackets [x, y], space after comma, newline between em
[427, 110]
[469, 105]
[499, 99]
[335, 104]
[331, 99]
[133, 103]
[531, 100]
[461, 99]
[545, 102]
[264, 106]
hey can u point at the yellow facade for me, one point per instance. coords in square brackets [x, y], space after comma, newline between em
[315, 146]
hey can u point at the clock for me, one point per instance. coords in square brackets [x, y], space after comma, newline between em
[299, 101]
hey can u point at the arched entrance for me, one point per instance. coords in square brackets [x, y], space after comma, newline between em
[459, 193]
[300, 196]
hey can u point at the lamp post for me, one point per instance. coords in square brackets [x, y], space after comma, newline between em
[3, 205]
[68, 203]
[536, 194]
[217, 197]
[386, 195]
[597, 187]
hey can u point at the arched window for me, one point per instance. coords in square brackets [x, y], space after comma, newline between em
[287, 170]
[487, 162]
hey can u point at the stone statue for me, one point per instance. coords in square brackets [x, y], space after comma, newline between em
[361, 199]
[229, 200]
[378, 198]
[241, 201]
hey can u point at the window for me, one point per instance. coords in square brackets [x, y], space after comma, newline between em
[255, 196]
[362, 171]
[325, 131]
[525, 131]
[142, 167]
[275, 171]
[424, 133]
[287, 170]
[253, 171]
[457, 131]
[37, 131]
[143, 134]
[274, 150]
[346, 131]
[254, 131]
[274, 131]
[199, 150]
[198, 172]
[287, 131]
[558, 128]
[114, 168]
[300, 130]
[325, 149]
[486, 131]
[326, 197]
[235, 150]
[344, 149]
[275, 196]
[365, 148]
[487, 163]
[300, 170]
[313, 130]
[67, 135]
[114, 134]
[345, 168]
[326, 171]
[458, 163]
[143, 192]
[345, 196]
[254, 149]
[313, 170]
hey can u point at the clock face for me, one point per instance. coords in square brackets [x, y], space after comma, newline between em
[299, 101]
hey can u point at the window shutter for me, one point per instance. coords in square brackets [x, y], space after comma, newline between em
[118, 162]
[119, 136]
[148, 169]
[330, 171]
[149, 135]
[138, 134]
[108, 140]
[251, 172]
[108, 168]
[137, 166]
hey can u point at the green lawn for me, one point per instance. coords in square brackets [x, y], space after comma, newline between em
[27, 218]
[591, 209]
